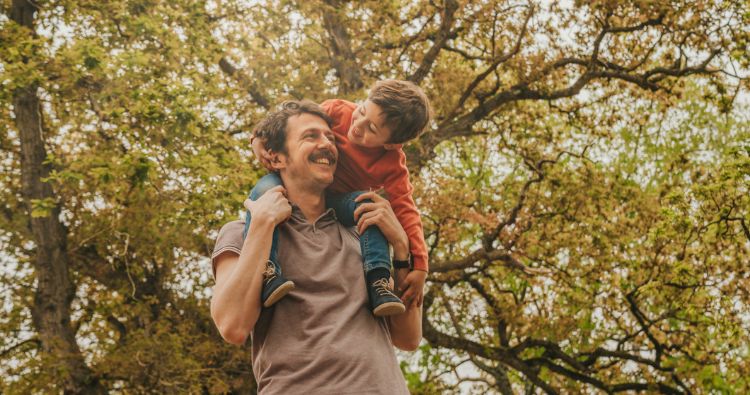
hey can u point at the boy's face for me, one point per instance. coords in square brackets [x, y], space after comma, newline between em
[368, 126]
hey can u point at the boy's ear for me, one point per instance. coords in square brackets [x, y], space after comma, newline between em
[392, 146]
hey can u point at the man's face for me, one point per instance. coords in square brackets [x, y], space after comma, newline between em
[311, 151]
[368, 126]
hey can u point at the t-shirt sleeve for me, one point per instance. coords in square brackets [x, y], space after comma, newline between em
[229, 240]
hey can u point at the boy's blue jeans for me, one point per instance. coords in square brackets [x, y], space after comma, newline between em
[372, 242]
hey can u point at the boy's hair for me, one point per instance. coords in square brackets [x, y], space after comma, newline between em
[405, 107]
[273, 127]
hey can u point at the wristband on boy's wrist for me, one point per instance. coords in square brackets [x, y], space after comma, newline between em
[405, 264]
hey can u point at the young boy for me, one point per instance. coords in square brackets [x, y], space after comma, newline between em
[368, 137]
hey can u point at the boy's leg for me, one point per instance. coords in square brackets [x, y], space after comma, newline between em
[375, 254]
[275, 286]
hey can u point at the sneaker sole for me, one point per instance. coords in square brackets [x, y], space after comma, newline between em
[389, 308]
[279, 293]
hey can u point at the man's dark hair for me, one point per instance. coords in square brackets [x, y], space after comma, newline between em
[405, 107]
[273, 127]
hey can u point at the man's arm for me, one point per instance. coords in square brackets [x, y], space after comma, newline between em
[235, 304]
[405, 328]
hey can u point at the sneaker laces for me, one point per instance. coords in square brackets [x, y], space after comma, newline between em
[270, 272]
[382, 287]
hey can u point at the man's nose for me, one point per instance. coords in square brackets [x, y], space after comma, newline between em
[324, 142]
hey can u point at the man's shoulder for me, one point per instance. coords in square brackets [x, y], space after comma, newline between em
[231, 227]
[229, 238]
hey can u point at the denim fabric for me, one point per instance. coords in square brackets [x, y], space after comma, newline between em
[264, 184]
[374, 246]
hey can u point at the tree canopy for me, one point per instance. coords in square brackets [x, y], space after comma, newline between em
[584, 186]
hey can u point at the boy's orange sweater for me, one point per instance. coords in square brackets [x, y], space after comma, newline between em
[362, 168]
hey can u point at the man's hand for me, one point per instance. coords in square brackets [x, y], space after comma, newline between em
[260, 151]
[272, 206]
[380, 214]
[411, 286]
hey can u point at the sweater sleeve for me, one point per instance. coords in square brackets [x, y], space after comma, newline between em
[399, 191]
[337, 109]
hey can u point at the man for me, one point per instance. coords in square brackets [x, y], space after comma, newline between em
[321, 338]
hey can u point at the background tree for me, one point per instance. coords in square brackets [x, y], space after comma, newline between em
[584, 185]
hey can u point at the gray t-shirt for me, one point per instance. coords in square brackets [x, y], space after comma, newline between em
[321, 338]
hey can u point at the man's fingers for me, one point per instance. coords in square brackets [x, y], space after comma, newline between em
[372, 195]
[364, 217]
[367, 219]
[247, 203]
[377, 202]
[363, 224]
[363, 208]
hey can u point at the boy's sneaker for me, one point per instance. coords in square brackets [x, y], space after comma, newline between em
[275, 286]
[383, 301]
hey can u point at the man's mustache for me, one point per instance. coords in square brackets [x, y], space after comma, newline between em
[323, 154]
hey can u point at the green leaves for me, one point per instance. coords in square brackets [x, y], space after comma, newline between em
[615, 195]
[41, 208]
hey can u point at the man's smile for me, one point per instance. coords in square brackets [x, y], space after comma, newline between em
[323, 157]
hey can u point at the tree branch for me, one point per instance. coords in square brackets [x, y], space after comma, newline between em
[342, 56]
[245, 82]
[492, 67]
[443, 35]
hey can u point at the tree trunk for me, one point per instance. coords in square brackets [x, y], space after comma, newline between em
[342, 56]
[55, 290]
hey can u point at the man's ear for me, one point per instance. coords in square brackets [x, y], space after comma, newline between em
[278, 160]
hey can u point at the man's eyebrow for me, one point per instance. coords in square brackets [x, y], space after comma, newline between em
[318, 130]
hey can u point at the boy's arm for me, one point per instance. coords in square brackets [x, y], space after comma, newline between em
[399, 191]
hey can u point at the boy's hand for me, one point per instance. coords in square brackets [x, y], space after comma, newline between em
[412, 287]
[260, 151]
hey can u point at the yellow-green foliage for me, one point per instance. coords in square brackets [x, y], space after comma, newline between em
[574, 202]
